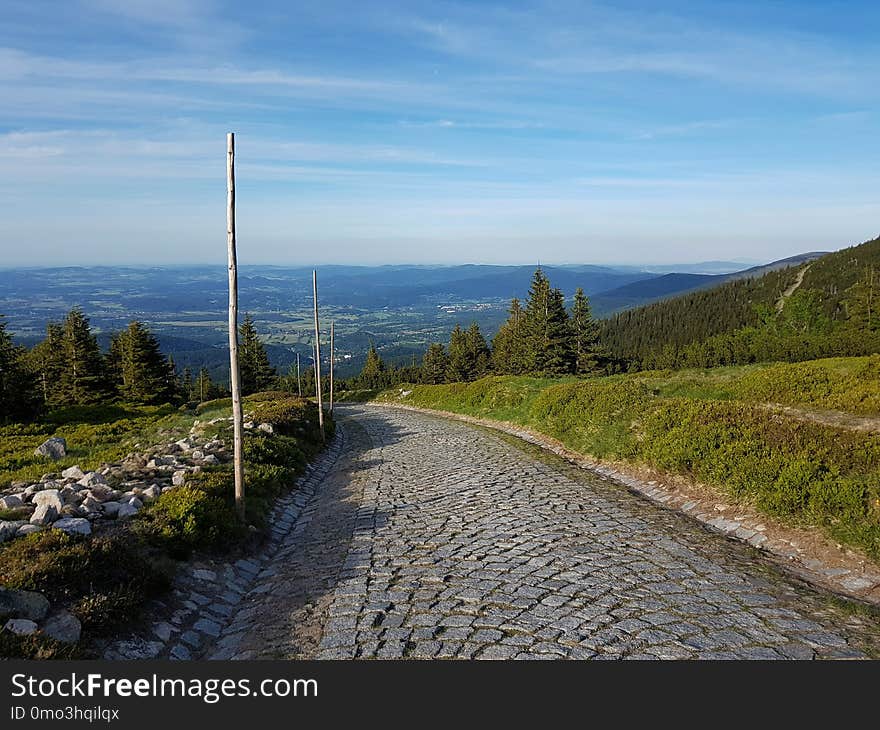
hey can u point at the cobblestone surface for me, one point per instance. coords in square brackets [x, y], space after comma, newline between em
[430, 538]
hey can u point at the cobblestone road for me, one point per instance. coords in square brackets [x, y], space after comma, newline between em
[430, 538]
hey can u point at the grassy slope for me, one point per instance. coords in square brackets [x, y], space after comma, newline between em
[712, 426]
[106, 579]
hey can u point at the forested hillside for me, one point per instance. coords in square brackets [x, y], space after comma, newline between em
[824, 307]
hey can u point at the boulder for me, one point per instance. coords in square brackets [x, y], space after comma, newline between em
[74, 472]
[211, 459]
[11, 501]
[92, 479]
[198, 454]
[71, 496]
[23, 604]
[151, 493]
[125, 511]
[44, 514]
[28, 529]
[90, 504]
[64, 627]
[178, 479]
[74, 526]
[20, 626]
[54, 448]
[8, 529]
[111, 509]
[267, 427]
[50, 497]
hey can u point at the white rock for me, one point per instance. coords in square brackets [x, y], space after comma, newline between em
[73, 472]
[183, 445]
[28, 529]
[198, 454]
[248, 424]
[152, 493]
[53, 448]
[267, 427]
[211, 459]
[11, 501]
[44, 514]
[74, 526]
[8, 530]
[179, 478]
[91, 479]
[125, 511]
[49, 496]
[20, 626]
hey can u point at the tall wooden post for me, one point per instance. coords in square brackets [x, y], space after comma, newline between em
[318, 355]
[299, 387]
[234, 381]
[332, 327]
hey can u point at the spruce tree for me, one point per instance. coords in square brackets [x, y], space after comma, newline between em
[19, 397]
[82, 377]
[372, 374]
[549, 349]
[255, 371]
[434, 364]
[586, 333]
[46, 360]
[138, 367]
[478, 352]
[509, 346]
[204, 389]
[459, 367]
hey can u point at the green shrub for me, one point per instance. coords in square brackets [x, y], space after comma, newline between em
[187, 519]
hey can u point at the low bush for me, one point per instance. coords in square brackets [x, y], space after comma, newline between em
[190, 518]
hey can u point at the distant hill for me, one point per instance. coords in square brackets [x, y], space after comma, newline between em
[695, 316]
[654, 289]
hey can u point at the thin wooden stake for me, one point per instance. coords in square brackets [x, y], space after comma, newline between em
[318, 355]
[299, 387]
[331, 366]
[234, 381]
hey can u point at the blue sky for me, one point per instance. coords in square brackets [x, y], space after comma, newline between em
[627, 132]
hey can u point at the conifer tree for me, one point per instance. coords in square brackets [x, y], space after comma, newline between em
[434, 364]
[82, 377]
[459, 366]
[204, 388]
[137, 366]
[19, 397]
[586, 333]
[372, 374]
[46, 360]
[550, 350]
[478, 353]
[186, 383]
[255, 370]
[509, 346]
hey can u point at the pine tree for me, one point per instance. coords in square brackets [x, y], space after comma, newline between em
[459, 367]
[46, 360]
[550, 349]
[479, 356]
[137, 366]
[434, 364]
[371, 375]
[204, 389]
[19, 396]
[186, 383]
[586, 333]
[82, 377]
[509, 355]
[255, 371]
[863, 303]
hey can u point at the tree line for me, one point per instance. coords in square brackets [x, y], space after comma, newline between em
[541, 337]
[68, 367]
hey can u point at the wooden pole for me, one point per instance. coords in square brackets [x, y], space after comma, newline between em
[331, 366]
[234, 383]
[299, 388]
[318, 355]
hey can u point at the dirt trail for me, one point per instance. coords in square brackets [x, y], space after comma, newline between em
[793, 288]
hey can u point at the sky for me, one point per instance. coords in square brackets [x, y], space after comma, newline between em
[437, 132]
